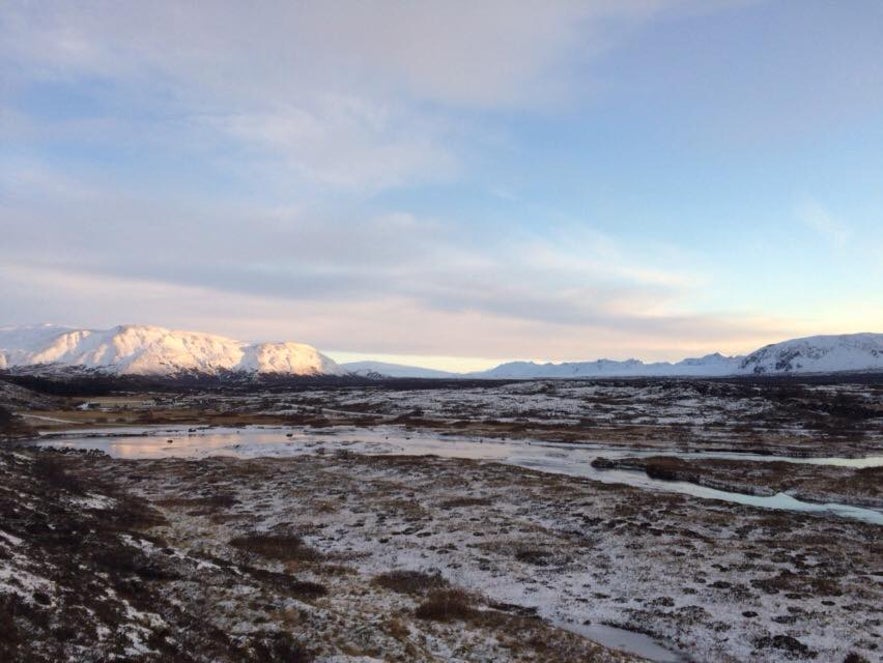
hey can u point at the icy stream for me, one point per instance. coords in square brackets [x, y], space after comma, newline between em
[568, 459]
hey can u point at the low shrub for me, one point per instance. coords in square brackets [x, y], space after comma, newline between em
[445, 605]
[411, 582]
[465, 501]
[51, 471]
[300, 589]
[283, 547]
[279, 647]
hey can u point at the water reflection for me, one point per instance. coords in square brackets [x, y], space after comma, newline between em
[567, 459]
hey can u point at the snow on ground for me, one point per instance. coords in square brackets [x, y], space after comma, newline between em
[257, 555]
[839, 419]
[136, 582]
[714, 581]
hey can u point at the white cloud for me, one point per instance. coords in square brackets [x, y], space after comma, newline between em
[344, 143]
[492, 53]
[392, 282]
[30, 179]
[355, 95]
[386, 324]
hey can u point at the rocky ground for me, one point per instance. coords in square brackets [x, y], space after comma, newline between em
[410, 559]
[344, 557]
[109, 560]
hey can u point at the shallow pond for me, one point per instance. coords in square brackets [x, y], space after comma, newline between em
[568, 459]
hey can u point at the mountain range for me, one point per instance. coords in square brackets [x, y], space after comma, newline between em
[381, 369]
[150, 350]
[813, 354]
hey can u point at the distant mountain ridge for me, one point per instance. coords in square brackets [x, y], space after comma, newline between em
[710, 365]
[149, 350]
[378, 369]
[813, 354]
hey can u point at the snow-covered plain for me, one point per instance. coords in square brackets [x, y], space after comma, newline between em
[713, 581]
[540, 545]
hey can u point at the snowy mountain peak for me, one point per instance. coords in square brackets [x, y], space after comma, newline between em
[818, 354]
[814, 354]
[151, 350]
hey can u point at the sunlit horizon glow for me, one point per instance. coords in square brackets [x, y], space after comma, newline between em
[443, 183]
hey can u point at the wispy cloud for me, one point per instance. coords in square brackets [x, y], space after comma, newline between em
[389, 282]
[352, 95]
[390, 324]
[568, 276]
[816, 217]
[499, 52]
[345, 144]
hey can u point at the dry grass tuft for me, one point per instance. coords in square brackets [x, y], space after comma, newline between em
[219, 501]
[283, 547]
[465, 501]
[445, 606]
[411, 582]
[279, 647]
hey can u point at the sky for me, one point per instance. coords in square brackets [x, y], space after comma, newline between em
[450, 184]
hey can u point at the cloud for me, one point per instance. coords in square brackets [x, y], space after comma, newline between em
[813, 215]
[386, 282]
[248, 169]
[344, 143]
[356, 96]
[493, 53]
[567, 276]
[385, 324]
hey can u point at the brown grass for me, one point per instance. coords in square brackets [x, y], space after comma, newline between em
[283, 547]
[301, 589]
[50, 470]
[220, 501]
[411, 582]
[279, 647]
[446, 605]
[465, 501]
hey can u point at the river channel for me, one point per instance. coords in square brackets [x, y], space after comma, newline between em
[568, 459]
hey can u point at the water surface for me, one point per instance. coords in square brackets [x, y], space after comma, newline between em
[555, 458]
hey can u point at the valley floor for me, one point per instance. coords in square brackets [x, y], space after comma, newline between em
[348, 557]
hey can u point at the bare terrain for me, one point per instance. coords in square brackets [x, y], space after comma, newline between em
[338, 554]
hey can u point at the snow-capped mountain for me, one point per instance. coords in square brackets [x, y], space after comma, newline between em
[373, 369]
[148, 350]
[818, 354]
[814, 354]
[708, 366]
